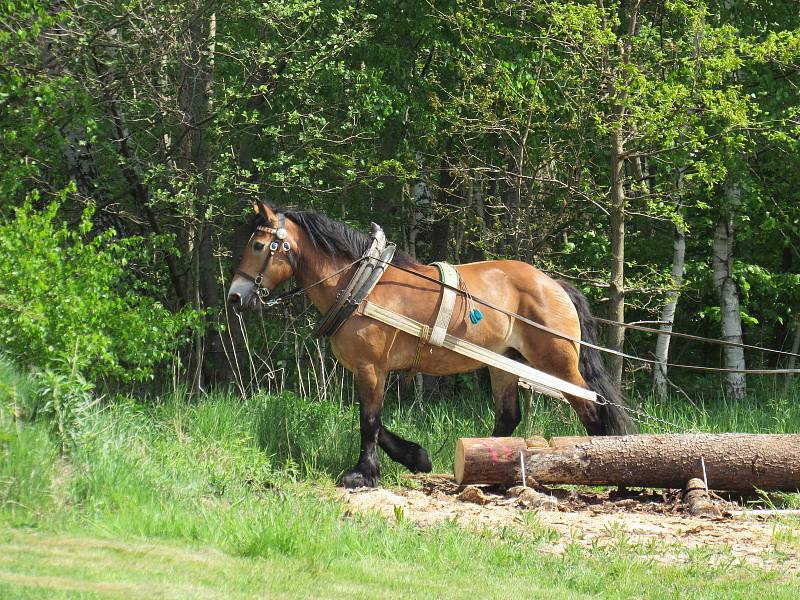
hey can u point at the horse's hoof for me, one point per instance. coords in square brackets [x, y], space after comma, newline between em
[422, 462]
[356, 479]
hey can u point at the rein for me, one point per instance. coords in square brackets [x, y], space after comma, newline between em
[300, 289]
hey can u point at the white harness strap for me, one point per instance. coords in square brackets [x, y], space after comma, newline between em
[449, 276]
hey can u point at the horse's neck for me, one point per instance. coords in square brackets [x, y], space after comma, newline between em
[321, 270]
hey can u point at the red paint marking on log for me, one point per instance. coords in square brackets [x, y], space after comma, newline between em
[509, 452]
[491, 450]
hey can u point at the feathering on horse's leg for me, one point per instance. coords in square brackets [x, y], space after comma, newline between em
[409, 454]
[370, 382]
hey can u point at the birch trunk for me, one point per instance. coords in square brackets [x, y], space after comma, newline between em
[730, 314]
[660, 384]
[616, 288]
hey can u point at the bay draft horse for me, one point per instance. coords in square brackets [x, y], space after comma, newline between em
[315, 247]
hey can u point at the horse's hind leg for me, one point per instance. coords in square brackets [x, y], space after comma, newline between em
[507, 413]
[561, 360]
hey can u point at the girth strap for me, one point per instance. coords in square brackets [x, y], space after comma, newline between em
[435, 335]
[449, 276]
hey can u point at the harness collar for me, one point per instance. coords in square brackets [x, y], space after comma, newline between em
[372, 265]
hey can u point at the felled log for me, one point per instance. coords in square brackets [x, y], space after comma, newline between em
[733, 461]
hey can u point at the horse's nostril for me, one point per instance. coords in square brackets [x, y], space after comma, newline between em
[235, 300]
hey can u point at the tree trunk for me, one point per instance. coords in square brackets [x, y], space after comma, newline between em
[730, 314]
[629, 19]
[420, 203]
[195, 102]
[733, 461]
[616, 288]
[440, 230]
[668, 313]
[795, 349]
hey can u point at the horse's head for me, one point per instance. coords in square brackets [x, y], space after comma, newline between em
[269, 259]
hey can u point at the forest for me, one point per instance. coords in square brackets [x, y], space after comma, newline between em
[646, 151]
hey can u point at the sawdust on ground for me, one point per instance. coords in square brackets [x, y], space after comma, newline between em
[657, 525]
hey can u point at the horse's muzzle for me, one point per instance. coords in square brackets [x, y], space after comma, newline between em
[235, 302]
[241, 296]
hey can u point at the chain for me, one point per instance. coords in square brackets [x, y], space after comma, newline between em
[642, 417]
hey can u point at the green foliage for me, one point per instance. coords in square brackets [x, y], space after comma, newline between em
[68, 299]
[65, 400]
[501, 113]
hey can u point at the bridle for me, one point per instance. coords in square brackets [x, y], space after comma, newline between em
[278, 243]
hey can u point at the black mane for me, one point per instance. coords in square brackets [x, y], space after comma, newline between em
[334, 238]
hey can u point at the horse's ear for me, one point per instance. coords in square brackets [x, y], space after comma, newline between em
[256, 208]
[266, 212]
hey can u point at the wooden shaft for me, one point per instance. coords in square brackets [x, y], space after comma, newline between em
[734, 461]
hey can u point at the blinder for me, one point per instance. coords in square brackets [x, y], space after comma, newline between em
[279, 242]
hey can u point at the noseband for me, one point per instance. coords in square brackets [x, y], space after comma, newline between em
[278, 243]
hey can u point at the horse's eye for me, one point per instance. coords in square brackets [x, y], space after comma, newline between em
[258, 246]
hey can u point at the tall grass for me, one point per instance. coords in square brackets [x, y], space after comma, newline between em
[255, 476]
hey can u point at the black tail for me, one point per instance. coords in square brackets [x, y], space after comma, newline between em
[613, 415]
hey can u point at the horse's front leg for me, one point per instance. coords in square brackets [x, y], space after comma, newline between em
[370, 382]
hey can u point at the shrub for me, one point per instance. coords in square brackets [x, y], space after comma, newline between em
[68, 299]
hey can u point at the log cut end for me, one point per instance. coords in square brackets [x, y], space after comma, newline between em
[698, 500]
[489, 460]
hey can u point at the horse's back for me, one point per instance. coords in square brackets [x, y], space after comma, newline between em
[522, 288]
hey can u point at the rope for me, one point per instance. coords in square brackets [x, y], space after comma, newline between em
[689, 336]
[560, 334]
[570, 338]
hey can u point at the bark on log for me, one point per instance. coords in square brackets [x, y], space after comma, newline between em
[734, 461]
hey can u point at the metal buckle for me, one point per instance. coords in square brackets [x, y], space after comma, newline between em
[262, 294]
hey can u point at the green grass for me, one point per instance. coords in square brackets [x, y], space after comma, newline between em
[221, 497]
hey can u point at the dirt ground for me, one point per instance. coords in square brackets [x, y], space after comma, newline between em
[657, 524]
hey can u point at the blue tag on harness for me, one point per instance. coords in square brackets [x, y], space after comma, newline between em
[475, 316]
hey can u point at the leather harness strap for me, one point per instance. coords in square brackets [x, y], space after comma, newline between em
[435, 335]
[376, 258]
[449, 276]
